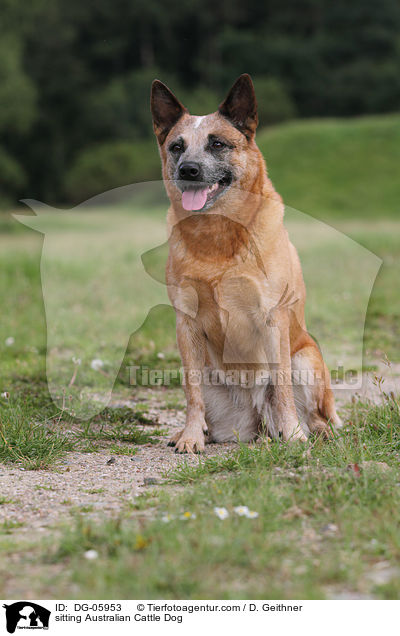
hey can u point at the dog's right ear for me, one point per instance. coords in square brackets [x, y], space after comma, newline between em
[166, 110]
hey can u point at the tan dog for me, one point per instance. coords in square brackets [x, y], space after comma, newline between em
[235, 281]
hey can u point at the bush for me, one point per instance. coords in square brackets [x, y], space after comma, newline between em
[106, 166]
[13, 177]
[363, 87]
[200, 101]
[121, 109]
[17, 90]
[274, 102]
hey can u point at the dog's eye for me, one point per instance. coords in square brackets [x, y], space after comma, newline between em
[176, 147]
[217, 145]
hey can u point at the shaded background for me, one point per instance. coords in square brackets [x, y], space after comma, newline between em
[75, 77]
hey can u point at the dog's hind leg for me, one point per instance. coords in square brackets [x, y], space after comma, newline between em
[313, 395]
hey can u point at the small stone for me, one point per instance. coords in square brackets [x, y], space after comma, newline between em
[330, 529]
[112, 460]
[382, 573]
[150, 481]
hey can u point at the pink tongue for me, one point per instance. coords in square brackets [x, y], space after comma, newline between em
[194, 199]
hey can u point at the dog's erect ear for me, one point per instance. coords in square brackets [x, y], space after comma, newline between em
[166, 110]
[240, 106]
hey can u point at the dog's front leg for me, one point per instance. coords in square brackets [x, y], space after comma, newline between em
[283, 406]
[191, 343]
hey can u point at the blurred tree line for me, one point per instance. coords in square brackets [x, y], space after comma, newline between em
[75, 77]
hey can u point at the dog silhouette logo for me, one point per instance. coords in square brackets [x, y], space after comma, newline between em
[26, 615]
[103, 275]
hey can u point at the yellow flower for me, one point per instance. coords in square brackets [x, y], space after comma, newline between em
[188, 515]
[141, 542]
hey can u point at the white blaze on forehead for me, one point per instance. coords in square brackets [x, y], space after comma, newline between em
[198, 121]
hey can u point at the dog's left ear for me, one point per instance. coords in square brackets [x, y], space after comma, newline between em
[240, 106]
[166, 110]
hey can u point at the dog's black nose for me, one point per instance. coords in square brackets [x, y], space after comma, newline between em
[189, 170]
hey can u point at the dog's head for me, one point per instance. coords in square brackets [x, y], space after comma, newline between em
[204, 156]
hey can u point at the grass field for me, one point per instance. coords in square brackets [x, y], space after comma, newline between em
[326, 525]
[337, 169]
[327, 514]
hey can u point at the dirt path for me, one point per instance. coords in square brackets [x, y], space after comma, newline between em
[89, 483]
[86, 483]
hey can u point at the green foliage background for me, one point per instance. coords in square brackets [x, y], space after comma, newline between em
[75, 77]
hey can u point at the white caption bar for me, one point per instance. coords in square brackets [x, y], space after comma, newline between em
[153, 616]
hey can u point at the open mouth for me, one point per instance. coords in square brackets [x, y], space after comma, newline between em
[199, 197]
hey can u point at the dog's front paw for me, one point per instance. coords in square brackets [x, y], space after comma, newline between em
[188, 441]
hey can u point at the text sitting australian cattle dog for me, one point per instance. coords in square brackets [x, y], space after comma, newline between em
[235, 281]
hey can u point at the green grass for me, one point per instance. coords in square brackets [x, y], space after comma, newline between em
[35, 435]
[120, 425]
[7, 526]
[4, 501]
[372, 434]
[328, 513]
[337, 169]
[121, 433]
[30, 443]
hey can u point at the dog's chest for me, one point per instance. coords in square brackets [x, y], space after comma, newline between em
[230, 312]
[226, 293]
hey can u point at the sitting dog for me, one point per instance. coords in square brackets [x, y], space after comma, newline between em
[235, 281]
